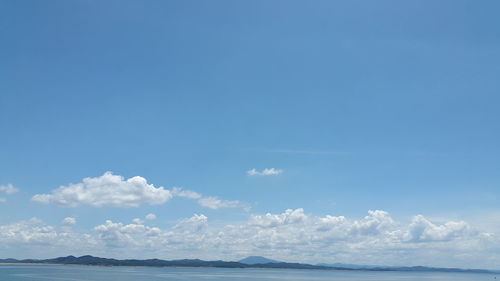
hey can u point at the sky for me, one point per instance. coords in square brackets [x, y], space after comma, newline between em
[359, 132]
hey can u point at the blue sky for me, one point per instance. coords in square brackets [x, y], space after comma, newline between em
[360, 105]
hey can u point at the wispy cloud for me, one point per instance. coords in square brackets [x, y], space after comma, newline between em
[212, 202]
[265, 172]
[69, 221]
[150, 216]
[180, 192]
[9, 189]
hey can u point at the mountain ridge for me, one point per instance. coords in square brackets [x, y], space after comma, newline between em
[98, 261]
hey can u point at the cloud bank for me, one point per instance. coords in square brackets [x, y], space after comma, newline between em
[291, 236]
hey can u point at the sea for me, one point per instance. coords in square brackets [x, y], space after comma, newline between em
[103, 273]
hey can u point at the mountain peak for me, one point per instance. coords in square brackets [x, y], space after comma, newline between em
[257, 260]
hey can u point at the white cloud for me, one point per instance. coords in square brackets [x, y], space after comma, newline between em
[9, 189]
[179, 192]
[138, 221]
[3, 200]
[421, 230]
[330, 222]
[194, 223]
[375, 223]
[33, 234]
[216, 203]
[288, 217]
[292, 235]
[265, 172]
[119, 235]
[69, 221]
[150, 216]
[210, 202]
[27, 231]
[115, 190]
[107, 190]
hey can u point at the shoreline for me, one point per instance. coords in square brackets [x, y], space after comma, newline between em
[481, 271]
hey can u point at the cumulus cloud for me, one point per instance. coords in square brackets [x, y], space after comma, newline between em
[188, 234]
[120, 235]
[27, 231]
[270, 220]
[107, 190]
[194, 223]
[69, 221]
[421, 230]
[265, 172]
[9, 189]
[292, 235]
[330, 222]
[115, 190]
[150, 216]
[375, 223]
[216, 203]
[33, 234]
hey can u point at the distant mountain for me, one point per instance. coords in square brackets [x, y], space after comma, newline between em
[433, 269]
[257, 260]
[90, 260]
[402, 268]
[8, 260]
[250, 262]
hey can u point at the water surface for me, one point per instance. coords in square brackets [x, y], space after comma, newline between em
[101, 273]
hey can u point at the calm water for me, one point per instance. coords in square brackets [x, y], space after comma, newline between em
[97, 273]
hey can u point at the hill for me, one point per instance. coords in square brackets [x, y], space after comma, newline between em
[90, 260]
[257, 260]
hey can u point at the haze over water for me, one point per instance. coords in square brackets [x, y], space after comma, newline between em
[98, 273]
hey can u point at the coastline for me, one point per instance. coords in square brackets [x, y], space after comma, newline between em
[231, 265]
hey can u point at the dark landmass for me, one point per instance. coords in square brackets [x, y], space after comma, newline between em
[426, 268]
[405, 268]
[90, 260]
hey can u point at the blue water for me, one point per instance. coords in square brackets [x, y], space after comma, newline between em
[98, 273]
